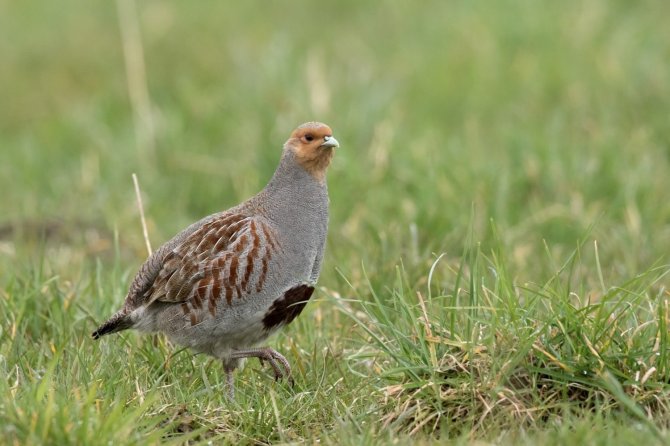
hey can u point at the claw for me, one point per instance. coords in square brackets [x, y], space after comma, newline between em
[272, 357]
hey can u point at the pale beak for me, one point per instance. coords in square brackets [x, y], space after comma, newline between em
[329, 142]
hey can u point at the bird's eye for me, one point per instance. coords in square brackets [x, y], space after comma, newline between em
[309, 137]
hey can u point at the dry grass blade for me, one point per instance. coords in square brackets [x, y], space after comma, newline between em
[140, 206]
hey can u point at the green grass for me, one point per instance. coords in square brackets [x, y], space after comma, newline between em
[497, 266]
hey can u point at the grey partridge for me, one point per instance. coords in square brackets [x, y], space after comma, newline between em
[226, 283]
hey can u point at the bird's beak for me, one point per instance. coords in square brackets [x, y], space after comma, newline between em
[329, 142]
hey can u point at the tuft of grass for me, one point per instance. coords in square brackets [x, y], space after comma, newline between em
[473, 352]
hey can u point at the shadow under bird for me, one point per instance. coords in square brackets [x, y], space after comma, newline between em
[226, 283]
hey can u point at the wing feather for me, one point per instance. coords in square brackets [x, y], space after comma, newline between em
[217, 260]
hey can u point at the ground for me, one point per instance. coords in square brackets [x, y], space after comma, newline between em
[497, 262]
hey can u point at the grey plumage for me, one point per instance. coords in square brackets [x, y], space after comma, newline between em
[228, 281]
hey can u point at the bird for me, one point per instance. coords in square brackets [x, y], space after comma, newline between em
[229, 281]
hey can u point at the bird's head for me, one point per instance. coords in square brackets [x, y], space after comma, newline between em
[313, 145]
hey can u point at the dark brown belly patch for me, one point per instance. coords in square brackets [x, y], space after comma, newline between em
[287, 307]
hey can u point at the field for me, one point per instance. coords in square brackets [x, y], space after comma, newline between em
[497, 265]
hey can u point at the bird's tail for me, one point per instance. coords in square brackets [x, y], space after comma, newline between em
[118, 322]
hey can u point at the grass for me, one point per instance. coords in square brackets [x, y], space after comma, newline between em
[497, 263]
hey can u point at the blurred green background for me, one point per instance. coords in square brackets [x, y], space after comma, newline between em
[545, 117]
[523, 127]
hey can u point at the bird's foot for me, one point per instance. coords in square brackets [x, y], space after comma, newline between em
[274, 358]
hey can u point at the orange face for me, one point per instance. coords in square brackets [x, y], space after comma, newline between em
[313, 145]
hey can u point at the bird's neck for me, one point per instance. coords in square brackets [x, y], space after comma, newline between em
[293, 189]
[293, 174]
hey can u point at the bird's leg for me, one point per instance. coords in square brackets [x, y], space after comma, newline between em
[230, 382]
[273, 357]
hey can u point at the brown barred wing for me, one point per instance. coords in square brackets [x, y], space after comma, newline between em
[227, 258]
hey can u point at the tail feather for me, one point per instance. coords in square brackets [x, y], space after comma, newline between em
[120, 321]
